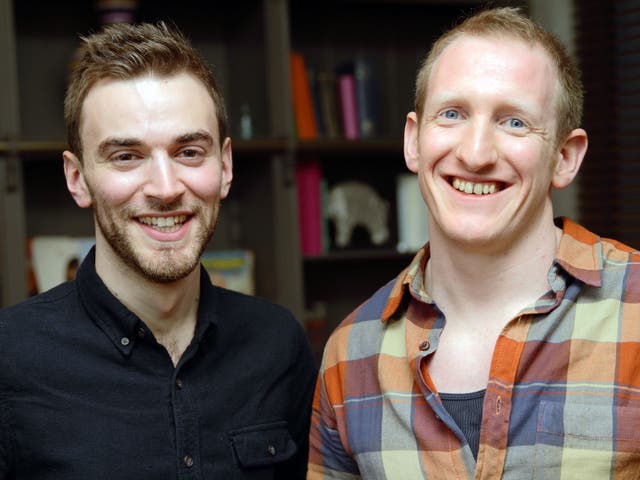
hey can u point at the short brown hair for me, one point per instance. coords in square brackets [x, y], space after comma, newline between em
[510, 22]
[124, 51]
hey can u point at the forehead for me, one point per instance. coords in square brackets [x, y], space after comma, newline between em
[148, 100]
[499, 60]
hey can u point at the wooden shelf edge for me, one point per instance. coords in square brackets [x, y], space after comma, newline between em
[258, 146]
[359, 255]
[32, 147]
[341, 147]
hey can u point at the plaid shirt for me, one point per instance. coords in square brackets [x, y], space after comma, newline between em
[562, 400]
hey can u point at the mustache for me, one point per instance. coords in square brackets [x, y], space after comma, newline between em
[162, 207]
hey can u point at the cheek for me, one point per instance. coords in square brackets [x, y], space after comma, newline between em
[113, 190]
[435, 144]
[205, 183]
[528, 158]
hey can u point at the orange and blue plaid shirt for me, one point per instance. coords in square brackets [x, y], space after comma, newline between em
[562, 400]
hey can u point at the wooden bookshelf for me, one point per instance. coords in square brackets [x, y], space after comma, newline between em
[248, 45]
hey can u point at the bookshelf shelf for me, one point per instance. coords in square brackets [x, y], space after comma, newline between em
[349, 148]
[360, 255]
[53, 148]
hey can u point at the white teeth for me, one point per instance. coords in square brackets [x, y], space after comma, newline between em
[474, 188]
[169, 224]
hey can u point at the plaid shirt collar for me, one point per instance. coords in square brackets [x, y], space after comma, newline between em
[579, 254]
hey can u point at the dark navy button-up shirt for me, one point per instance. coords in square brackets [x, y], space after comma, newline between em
[86, 392]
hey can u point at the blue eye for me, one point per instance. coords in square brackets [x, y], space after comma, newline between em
[450, 114]
[516, 123]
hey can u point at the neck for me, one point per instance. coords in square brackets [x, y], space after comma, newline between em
[468, 281]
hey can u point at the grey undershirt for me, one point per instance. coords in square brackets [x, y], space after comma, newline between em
[466, 411]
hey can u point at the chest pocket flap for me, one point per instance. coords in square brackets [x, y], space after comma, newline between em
[264, 444]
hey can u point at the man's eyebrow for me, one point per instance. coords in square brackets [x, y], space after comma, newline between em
[112, 142]
[199, 135]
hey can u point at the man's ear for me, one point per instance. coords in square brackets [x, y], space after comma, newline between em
[76, 183]
[411, 130]
[569, 158]
[226, 166]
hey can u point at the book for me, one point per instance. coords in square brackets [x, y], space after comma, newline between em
[55, 259]
[348, 104]
[303, 110]
[326, 82]
[368, 121]
[413, 216]
[309, 194]
[324, 215]
[231, 269]
[314, 87]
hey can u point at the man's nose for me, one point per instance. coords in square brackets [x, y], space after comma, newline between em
[163, 179]
[477, 148]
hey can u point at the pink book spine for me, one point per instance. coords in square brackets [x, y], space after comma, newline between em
[308, 180]
[348, 106]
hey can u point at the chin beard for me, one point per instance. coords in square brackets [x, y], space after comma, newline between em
[165, 266]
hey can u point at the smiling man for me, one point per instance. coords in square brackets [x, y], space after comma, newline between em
[141, 368]
[510, 346]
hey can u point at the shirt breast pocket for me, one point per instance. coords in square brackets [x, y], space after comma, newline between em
[261, 447]
[587, 441]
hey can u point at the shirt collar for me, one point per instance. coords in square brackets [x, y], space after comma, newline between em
[117, 321]
[410, 279]
[579, 254]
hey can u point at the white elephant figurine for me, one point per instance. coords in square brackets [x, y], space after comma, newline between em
[354, 203]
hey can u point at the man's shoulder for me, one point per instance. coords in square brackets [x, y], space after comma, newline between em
[364, 328]
[373, 308]
[595, 260]
[254, 311]
[50, 303]
[26, 326]
[618, 258]
[614, 250]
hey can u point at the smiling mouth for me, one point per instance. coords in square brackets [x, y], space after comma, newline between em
[164, 224]
[475, 188]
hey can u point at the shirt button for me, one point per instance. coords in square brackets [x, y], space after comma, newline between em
[178, 383]
[188, 461]
[271, 450]
[124, 341]
[424, 345]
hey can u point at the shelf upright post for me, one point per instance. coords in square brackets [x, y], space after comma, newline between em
[287, 264]
[13, 272]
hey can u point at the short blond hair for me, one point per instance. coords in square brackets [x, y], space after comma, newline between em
[509, 22]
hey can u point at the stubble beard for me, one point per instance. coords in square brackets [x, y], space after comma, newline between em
[164, 266]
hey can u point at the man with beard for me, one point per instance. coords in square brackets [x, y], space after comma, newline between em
[140, 368]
